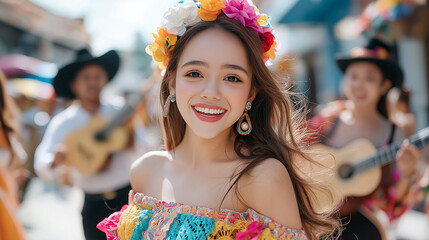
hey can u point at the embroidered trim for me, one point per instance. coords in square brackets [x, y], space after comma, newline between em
[165, 214]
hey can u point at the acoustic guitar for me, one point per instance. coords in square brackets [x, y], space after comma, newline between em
[354, 170]
[89, 148]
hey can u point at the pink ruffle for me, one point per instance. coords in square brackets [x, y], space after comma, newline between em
[109, 225]
[252, 232]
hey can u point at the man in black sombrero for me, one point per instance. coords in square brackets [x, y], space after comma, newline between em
[82, 81]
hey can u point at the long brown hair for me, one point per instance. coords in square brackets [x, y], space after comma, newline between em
[7, 115]
[275, 122]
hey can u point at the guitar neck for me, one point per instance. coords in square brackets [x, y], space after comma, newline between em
[132, 102]
[388, 155]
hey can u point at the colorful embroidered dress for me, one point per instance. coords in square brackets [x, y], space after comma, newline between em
[148, 218]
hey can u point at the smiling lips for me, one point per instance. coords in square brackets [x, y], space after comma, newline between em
[208, 113]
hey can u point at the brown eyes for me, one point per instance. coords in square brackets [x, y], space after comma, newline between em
[194, 75]
[230, 78]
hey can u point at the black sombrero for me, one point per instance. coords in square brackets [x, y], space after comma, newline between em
[378, 53]
[109, 61]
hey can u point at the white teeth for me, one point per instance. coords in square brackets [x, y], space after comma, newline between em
[209, 111]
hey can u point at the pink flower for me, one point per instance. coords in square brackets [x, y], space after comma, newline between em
[242, 11]
[252, 232]
[110, 225]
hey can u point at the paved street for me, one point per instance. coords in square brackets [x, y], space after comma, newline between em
[412, 225]
[49, 212]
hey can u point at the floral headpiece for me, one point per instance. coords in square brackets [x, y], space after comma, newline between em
[189, 12]
[378, 52]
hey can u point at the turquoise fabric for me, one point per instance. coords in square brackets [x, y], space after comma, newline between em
[143, 224]
[187, 226]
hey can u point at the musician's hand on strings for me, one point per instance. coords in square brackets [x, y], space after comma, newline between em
[407, 158]
[60, 156]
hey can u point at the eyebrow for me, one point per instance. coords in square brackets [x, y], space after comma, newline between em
[237, 67]
[195, 62]
[225, 66]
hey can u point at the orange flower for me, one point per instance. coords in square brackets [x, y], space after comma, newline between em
[162, 44]
[210, 9]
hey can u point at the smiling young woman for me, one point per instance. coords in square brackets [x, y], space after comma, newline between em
[231, 139]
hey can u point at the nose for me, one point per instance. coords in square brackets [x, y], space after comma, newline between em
[211, 89]
[95, 81]
[357, 82]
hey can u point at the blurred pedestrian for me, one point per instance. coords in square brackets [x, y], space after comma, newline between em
[106, 189]
[369, 73]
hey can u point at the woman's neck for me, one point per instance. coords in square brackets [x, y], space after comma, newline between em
[362, 112]
[197, 151]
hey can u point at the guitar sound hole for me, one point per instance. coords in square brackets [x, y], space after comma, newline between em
[100, 137]
[346, 171]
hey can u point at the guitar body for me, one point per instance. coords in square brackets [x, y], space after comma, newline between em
[89, 155]
[363, 183]
[360, 184]
[354, 170]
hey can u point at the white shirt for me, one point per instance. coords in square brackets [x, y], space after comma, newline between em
[75, 117]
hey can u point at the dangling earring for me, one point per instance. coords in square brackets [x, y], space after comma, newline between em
[171, 98]
[244, 128]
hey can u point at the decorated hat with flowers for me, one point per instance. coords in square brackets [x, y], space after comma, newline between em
[378, 53]
[189, 12]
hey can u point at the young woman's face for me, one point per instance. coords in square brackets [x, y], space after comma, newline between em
[364, 84]
[213, 82]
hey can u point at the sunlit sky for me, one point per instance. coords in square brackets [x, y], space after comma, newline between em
[112, 23]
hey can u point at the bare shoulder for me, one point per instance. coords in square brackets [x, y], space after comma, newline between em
[268, 189]
[143, 168]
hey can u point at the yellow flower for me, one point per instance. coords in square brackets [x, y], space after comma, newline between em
[210, 9]
[271, 53]
[263, 20]
[186, 208]
[224, 231]
[128, 220]
[267, 235]
[193, 210]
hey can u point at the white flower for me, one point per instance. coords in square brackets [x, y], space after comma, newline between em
[177, 18]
